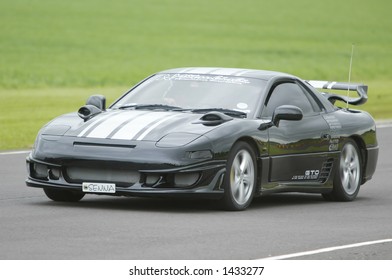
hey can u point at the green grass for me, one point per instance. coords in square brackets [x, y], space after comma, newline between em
[379, 104]
[24, 112]
[53, 52]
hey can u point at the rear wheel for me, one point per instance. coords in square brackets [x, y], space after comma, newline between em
[347, 180]
[63, 195]
[240, 178]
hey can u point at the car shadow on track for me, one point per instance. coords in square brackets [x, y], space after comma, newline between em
[139, 204]
[185, 205]
[286, 199]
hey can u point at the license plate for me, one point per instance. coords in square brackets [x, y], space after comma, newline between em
[98, 187]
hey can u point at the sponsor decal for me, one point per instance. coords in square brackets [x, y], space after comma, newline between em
[309, 175]
[333, 123]
[334, 144]
[202, 78]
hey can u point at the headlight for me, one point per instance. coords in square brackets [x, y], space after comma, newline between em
[176, 139]
[58, 130]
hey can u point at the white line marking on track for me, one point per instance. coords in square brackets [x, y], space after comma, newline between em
[330, 249]
[14, 153]
[384, 125]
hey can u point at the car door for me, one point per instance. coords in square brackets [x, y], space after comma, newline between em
[297, 149]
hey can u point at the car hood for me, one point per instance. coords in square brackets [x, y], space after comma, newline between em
[132, 125]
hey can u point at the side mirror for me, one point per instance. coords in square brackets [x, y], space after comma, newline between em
[98, 101]
[284, 112]
[95, 105]
[287, 113]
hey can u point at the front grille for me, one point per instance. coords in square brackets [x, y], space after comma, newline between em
[103, 175]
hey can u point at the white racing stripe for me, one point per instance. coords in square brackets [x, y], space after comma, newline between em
[224, 71]
[318, 84]
[144, 134]
[131, 129]
[96, 120]
[329, 249]
[105, 128]
[330, 86]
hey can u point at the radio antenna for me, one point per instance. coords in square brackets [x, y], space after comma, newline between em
[349, 74]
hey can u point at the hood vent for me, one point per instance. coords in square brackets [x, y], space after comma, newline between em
[88, 111]
[213, 118]
[95, 105]
[107, 145]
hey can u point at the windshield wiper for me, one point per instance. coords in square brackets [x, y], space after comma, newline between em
[150, 106]
[232, 113]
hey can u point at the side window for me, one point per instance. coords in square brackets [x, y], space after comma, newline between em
[290, 94]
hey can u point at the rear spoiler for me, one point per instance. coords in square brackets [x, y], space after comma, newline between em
[361, 90]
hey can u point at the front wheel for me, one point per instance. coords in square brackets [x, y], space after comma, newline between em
[63, 195]
[347, 180]
[240, 178]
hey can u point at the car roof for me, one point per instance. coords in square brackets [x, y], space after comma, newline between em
[237, 72]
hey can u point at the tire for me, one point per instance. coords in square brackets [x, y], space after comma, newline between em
[347, 180]
[240, 178]
[63, 195]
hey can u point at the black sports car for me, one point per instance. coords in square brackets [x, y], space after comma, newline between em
[227, 134]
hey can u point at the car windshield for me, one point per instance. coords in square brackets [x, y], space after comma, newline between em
[195, 91]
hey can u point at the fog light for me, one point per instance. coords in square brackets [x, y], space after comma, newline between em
[152, 179]
[185, 179]
[40, 170]
[54, 173]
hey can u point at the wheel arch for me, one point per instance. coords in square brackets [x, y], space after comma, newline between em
[252, 142]
[362, 150]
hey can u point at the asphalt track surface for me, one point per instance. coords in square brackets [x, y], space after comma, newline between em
[284, 226]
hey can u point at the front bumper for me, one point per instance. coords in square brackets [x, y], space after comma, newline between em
[203, 180]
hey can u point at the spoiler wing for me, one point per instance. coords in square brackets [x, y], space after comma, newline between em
[361, 90]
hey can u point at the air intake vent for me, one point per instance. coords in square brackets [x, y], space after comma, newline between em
[214, 118]
[104, 175]
[326, 170]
